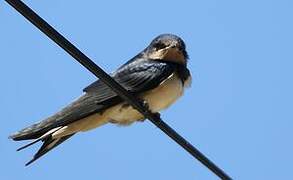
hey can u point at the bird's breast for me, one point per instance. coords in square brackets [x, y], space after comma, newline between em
[165, 94]
[158, 98]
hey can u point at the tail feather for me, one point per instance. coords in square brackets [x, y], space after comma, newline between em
[29, 144]
[49, 144]
[40, 138]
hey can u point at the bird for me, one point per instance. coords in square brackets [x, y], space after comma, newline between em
[158, 75]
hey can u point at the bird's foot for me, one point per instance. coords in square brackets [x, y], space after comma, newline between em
[145, 104]
[157, 115]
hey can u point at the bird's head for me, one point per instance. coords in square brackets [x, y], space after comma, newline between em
[167, 47]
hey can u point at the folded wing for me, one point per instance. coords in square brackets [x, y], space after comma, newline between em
[137, 76]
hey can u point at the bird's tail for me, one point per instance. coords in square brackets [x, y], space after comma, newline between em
[48, 144]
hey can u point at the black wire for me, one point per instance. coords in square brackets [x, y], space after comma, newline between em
[117, 88]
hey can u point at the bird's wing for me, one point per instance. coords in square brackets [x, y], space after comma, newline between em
[136, 77]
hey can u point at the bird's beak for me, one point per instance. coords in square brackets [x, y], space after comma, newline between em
[172, 53]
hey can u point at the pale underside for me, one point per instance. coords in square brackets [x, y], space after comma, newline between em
[159, 98]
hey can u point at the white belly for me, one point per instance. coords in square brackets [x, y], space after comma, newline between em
[159, 98]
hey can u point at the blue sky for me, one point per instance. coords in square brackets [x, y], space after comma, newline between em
[238, 111]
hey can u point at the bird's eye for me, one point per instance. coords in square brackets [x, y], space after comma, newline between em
[158, 46]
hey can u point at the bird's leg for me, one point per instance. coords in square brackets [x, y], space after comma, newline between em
[146, 106]
[157, 115]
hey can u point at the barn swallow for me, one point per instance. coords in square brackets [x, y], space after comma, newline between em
[158, 75]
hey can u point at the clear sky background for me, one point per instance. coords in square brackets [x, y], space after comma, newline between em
[238, 111]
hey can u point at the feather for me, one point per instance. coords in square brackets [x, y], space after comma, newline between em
[49, 144]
